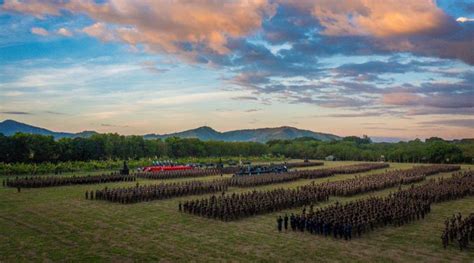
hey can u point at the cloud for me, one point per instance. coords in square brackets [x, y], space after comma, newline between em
[467, 123]
[464, 19]
[440, 111]
[245, 98]
[39, 31]
[151, 67]
[16, 113]
[100, 31]
[203, 31]
[388, 18]
[436, 101]
[165, 26]
[401, 99]
[113, 125]
[37, 8]
[253, 110]
[64, 32]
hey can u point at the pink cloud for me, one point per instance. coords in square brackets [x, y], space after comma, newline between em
[39, 31]
[377, 18]
[401, 98]
[64, 32]
[164, 25]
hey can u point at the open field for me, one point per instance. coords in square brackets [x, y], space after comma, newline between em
[58, 224]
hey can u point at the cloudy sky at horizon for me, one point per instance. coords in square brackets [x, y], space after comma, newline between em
[393, 68]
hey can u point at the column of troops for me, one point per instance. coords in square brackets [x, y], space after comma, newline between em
[127, 195]
[263, 179]
[152, 192]
[358, 217]
[346, 169]
[458, 229]
[273, 178]
[237, 206]
[178, 174]
[363, 184]
[49, 181]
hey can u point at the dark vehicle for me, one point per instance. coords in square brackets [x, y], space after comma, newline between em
[260, 169]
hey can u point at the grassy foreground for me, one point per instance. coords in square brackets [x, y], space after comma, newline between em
[58, 224]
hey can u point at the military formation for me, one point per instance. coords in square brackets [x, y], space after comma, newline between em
[234, 206]
[145, 193]
[363, 184]
[346, 169]
[263, 179]
[181, 173]
[49, 181]
[358, 217]
[458, 229]
[274, 178]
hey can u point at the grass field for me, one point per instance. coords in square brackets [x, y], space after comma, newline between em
[58, 224]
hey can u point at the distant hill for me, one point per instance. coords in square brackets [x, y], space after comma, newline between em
[10, 127]
[250, 135]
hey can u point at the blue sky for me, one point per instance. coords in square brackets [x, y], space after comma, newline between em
[383, 68]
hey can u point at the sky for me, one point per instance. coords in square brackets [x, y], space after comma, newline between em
[392, 68]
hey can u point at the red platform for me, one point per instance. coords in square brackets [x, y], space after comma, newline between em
[160, 168]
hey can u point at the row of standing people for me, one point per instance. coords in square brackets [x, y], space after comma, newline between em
[399, 208]
[49, 181]
[135, 194]
[460, 229]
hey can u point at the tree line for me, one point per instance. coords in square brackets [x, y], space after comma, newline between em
[32, 148]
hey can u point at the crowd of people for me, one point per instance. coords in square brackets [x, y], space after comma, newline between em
[346, 169]
[144, 193]
[48, 181]
[274, 178]
[358, 217]
[458, 229]
[363, 184]
[263, 179]
[197, 172]
[236, 206]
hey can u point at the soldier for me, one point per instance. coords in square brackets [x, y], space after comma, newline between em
[286, 221]
[279, 223]
[292, 222]
[445, 239]
[87, 195]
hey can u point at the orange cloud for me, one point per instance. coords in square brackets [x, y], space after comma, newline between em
[39, 31]
[401, 98]
[37, 8]
[376, 18]
[161, 25]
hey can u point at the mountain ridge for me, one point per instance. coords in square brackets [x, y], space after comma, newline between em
[255, 135]
[205, 133]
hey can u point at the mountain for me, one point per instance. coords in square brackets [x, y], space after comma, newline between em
[205, 133]
[388, 139]
[255, 135]
[10, 127]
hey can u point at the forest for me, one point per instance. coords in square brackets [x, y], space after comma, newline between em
[30, 148]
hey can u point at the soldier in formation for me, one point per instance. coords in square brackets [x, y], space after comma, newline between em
[362, 184]
[236, 206]
[159, 191]
[402, 207]
[458, 229]
[181, 173]
[48, 181]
